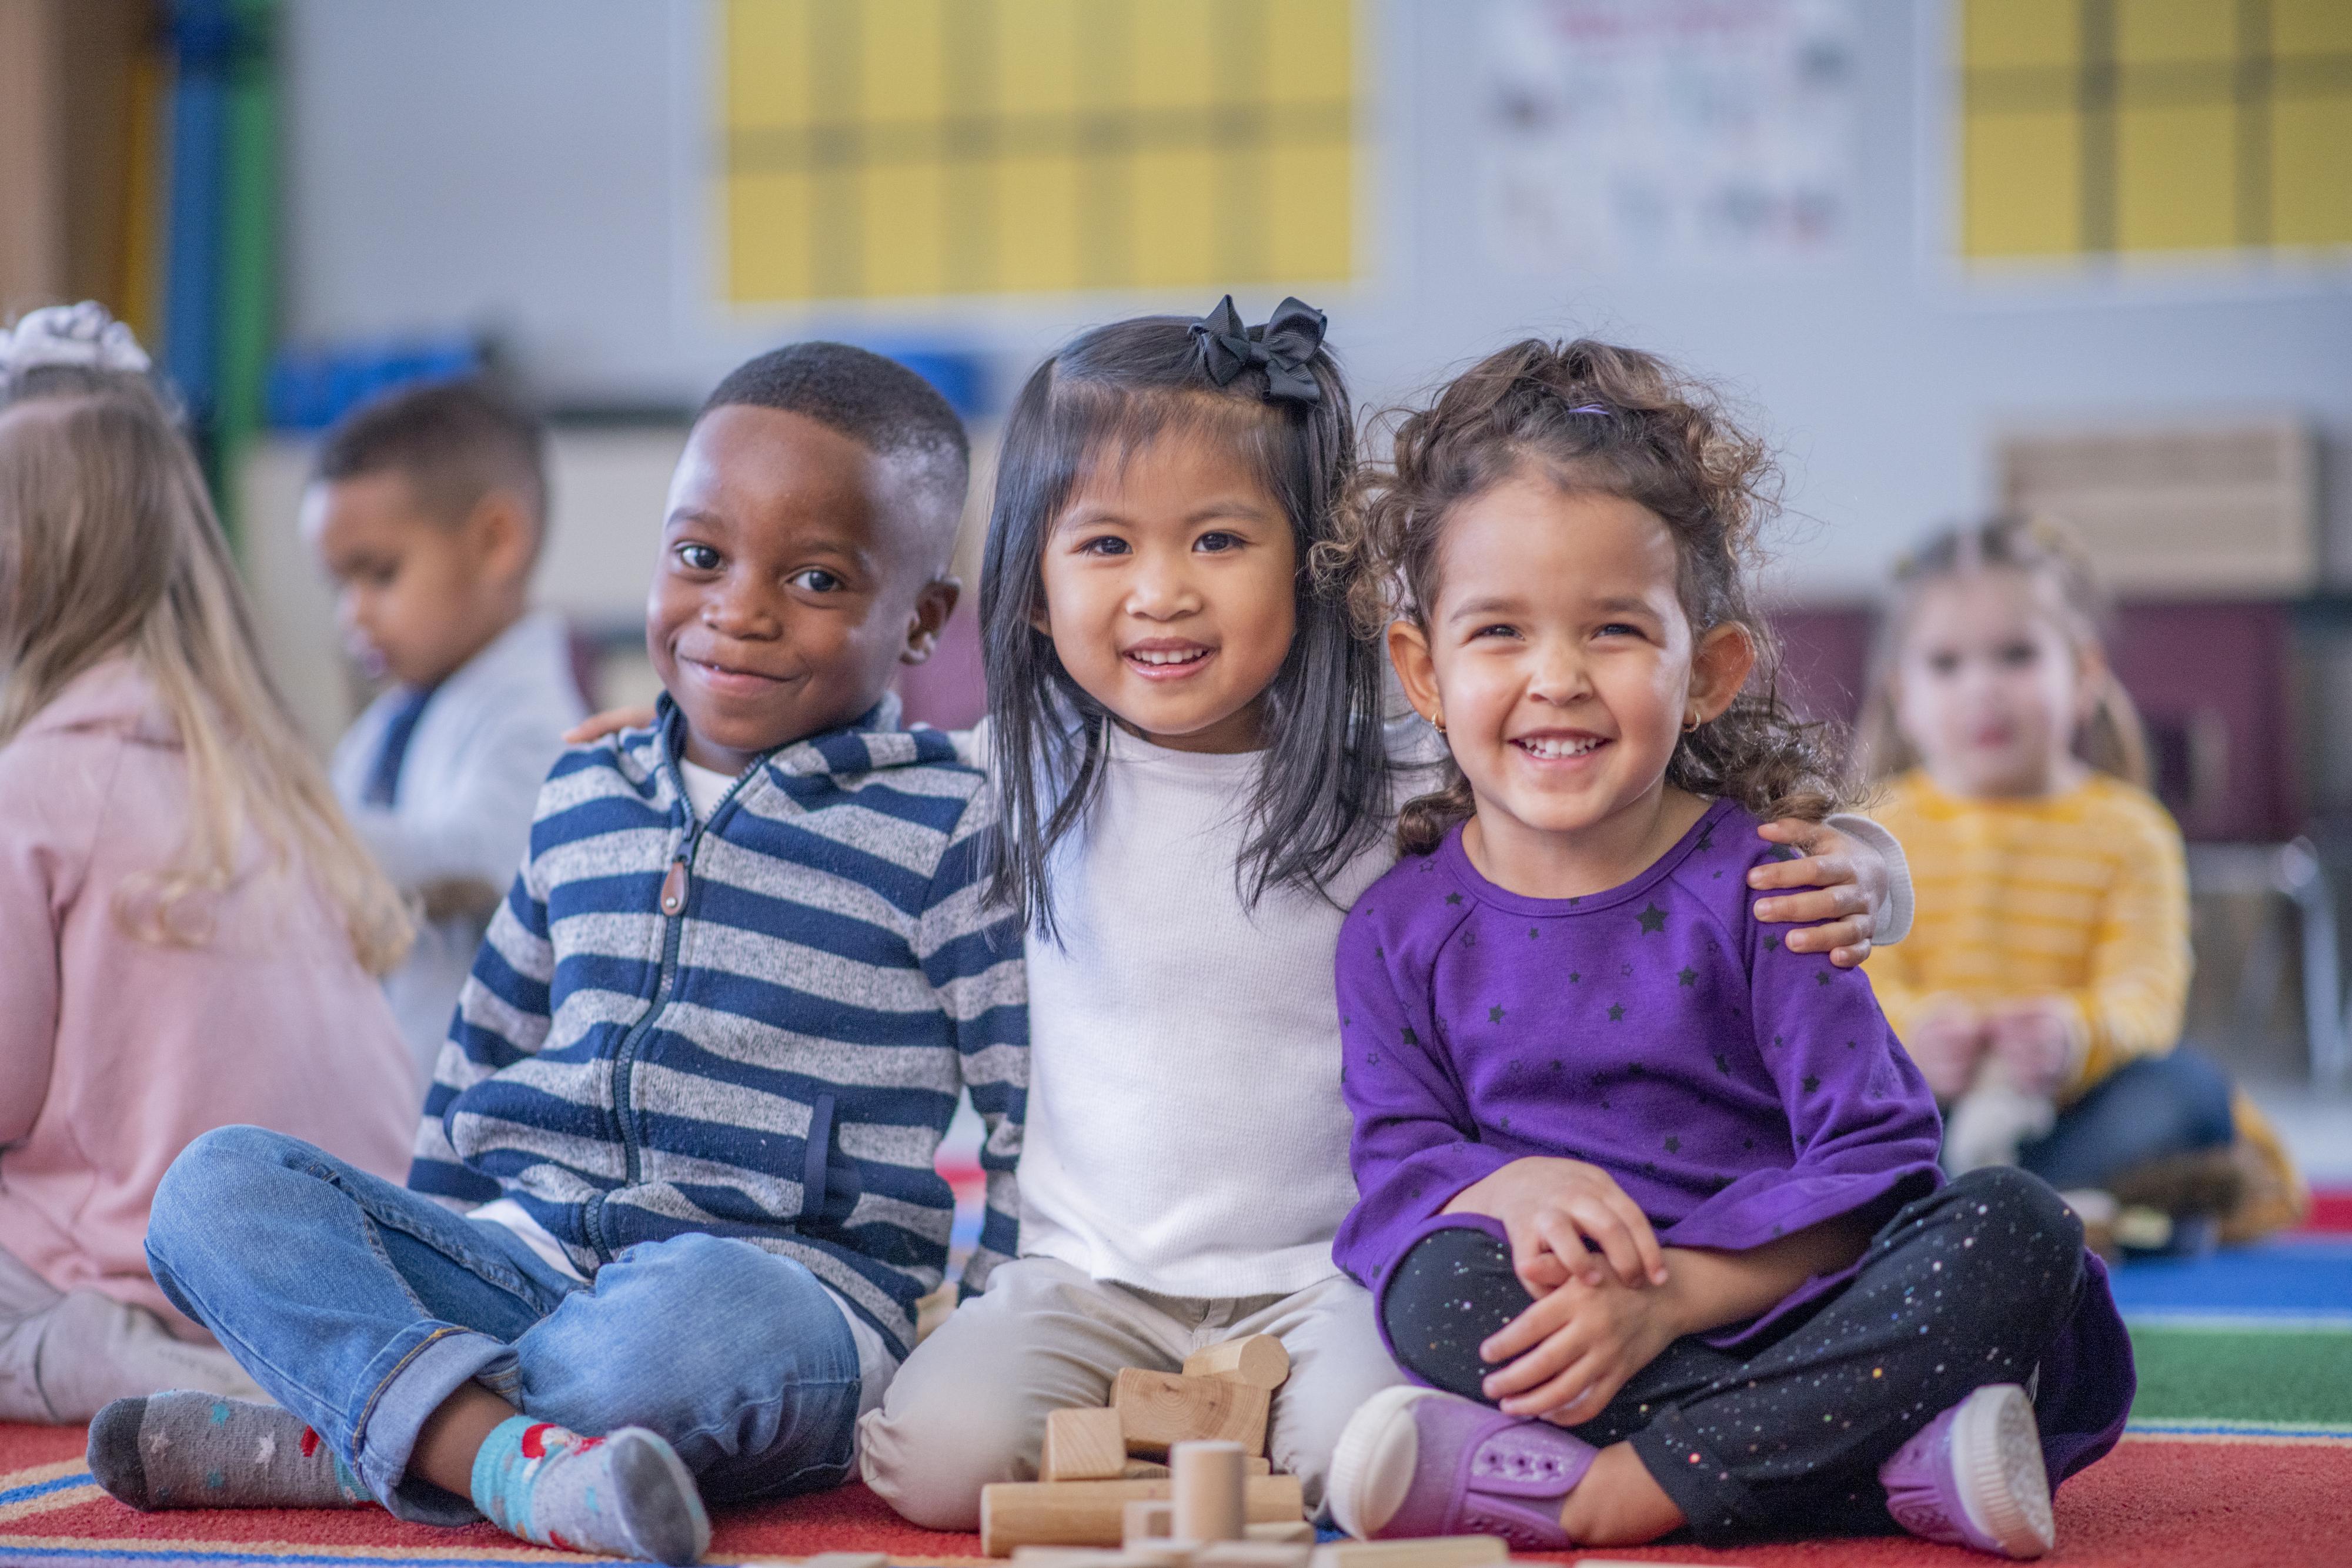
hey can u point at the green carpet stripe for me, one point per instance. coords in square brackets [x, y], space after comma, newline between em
[2292, 1377]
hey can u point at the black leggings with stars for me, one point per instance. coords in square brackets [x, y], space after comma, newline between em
[1969, 1286]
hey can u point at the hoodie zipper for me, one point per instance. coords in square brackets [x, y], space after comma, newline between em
[677, 888]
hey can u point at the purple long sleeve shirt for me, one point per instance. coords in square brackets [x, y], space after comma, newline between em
[1738, 1092]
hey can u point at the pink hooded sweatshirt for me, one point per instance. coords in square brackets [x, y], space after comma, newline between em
[114, 1052]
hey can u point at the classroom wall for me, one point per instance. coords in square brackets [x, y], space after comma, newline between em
[518, 167]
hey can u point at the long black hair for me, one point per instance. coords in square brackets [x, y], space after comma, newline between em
[1323, 790]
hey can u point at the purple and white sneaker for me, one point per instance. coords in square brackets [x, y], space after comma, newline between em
[1973, 1476]
[1416, 1462]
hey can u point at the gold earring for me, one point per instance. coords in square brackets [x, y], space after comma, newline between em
[1437, 722]
[1690, 721]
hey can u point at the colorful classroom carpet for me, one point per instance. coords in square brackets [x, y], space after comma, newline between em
[2239, 1456]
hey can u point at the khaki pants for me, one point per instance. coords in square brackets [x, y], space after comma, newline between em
[969, 1406]
[64, 1355]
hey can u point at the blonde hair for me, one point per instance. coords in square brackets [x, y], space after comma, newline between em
[2047, 555]
[109, 546]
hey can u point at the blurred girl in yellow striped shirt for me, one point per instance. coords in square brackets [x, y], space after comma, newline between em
[2040, 991]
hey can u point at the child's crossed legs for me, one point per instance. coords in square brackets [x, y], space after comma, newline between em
[969, 1407]
[364, 1307]
[1966, 1287]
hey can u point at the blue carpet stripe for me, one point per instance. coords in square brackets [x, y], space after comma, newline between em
[2242, 1320]
[2241, 1429]
[2307, 1278]
[42, 1488]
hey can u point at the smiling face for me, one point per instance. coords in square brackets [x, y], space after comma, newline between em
[797, 573]
[1989, 688]
[1170, 593]
[1558, 655]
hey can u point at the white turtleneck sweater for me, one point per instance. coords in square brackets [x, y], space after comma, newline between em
[1185, 1130]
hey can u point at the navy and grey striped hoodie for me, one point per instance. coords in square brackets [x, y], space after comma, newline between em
[754, 1027]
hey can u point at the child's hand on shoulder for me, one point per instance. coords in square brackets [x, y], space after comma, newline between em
[1570, 1353]
[1566, 1220]
[1848, 881]
[611, 721]
[2038, 1041]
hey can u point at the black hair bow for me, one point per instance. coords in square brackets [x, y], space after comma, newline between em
[1285, 346]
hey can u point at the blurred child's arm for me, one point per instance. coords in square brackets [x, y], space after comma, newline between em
[1944, 1033]
[971, 954]
[472, 825]
[2140, 960]
[29, 980]
[502, 1017]
[1861, 882]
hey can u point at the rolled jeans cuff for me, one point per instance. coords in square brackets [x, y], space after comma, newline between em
[413, 1378]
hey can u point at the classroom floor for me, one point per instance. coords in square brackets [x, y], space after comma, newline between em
[2239, 1453]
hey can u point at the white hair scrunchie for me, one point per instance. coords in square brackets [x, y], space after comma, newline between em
[85, 334]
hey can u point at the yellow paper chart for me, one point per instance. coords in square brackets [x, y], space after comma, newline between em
[879, 148]
[2139, 128]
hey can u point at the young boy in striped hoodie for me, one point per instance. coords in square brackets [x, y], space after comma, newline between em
[673, 1202]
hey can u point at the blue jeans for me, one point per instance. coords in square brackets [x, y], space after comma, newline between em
[2148, 1108]
[362, 1306]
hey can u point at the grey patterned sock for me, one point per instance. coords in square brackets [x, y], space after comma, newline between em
[182, 1449]
[628, 1493]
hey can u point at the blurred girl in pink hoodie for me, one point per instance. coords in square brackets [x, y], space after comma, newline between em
[189, 932]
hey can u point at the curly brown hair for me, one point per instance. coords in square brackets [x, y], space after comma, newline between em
[1593, 417]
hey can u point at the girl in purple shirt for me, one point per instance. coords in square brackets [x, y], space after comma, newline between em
[1648, 1200]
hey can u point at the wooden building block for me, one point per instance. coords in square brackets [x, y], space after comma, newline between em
[1144, 1521]
[1289, 1533]
[1083, 1445]
[847, 1560]
[1431, 1552]
[1092, 1514]
[1255, 1553]
[1152, 1469]
[1208, 1478]
[1256, 1359]
[1159, 1409]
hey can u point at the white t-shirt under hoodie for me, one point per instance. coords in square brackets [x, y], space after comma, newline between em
[1185, 1132]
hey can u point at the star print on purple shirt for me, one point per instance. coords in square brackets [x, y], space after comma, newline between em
[1738, 1092]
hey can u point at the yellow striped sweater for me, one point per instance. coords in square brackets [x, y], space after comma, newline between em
[2082, 895]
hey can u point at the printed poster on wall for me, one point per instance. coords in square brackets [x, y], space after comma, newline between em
[1685, 133]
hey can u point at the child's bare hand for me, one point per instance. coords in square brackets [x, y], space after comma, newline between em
[611, 721]
[2036, 1041]
[1945, 1045]
[1847, 878]
[1565, 1219]
[1569, 1352]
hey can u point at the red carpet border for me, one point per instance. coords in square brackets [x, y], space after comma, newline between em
[2221, 1501]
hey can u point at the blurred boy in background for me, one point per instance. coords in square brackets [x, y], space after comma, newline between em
[427, 508]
